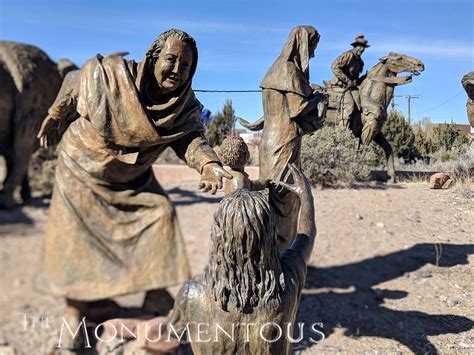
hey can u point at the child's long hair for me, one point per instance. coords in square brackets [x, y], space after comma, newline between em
[244, 267]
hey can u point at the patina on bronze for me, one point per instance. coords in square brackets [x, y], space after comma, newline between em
[235, 154]
[248, 288]
[291, 108]
[376, 91]
[111, 228]
[468, 84]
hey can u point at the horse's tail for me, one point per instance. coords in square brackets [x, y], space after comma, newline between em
[256, 126]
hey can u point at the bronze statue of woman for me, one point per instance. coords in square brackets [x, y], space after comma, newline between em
[112, 229]
[290, 110]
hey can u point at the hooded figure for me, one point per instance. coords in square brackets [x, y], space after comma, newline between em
[290, 110]
[112, 229]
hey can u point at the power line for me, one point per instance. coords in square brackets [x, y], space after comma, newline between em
[444, 102]
[409, 97]
[227, 90]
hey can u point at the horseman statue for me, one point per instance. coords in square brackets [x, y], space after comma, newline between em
[359, 103]
[347, 69]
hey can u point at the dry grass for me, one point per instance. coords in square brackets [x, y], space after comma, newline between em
[461, 170]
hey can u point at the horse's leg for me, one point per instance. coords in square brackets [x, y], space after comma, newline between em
[387, 148]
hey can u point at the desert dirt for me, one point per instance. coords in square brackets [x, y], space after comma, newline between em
[391, 270]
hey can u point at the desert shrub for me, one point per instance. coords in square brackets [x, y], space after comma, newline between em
[461, 170]
[332, 157]
[447, 137]
[422, 143]
[400, 135]
[444, 155]
[41, 170]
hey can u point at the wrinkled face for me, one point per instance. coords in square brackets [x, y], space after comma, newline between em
[399, 63]
[173, 66]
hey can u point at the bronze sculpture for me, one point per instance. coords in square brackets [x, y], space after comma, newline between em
[29, 82]
[248, 289]
[291, 109]
[111, 227]
[347, 69]
[376, 91]
[235, 154]
[468, 84]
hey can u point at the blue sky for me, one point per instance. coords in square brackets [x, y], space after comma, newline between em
[239, 40]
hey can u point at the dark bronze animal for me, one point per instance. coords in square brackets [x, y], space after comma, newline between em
[29, 82]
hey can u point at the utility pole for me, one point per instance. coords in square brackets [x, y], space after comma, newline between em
[410, 97]
[393, 101]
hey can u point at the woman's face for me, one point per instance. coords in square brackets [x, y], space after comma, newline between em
[172, 68]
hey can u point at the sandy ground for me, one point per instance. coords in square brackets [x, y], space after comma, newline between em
[391, 271]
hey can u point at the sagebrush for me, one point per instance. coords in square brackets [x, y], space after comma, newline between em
[333, 157]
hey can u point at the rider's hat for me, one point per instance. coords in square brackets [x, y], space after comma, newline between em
[360, 41]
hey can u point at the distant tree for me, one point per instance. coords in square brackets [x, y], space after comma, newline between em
[423, 143]
[222, 125]
[400, 135]
[447, 137]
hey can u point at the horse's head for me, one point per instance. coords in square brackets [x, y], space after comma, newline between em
[400, 63]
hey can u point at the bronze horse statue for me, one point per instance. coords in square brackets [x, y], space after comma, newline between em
[376, 91]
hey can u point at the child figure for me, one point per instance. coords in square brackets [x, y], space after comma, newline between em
[235, 154]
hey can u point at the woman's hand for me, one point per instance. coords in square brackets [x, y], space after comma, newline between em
[48, 130]
[211, 177]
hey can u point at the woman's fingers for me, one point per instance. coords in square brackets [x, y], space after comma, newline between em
[207, 186]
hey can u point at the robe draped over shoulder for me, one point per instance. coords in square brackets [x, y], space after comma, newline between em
[111, 228]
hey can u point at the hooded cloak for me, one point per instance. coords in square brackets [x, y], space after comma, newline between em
[111, 227]
[289, 111]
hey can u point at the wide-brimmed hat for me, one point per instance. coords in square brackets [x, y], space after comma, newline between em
[360, 41]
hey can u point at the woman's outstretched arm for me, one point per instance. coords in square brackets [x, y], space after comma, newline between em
[63, 111]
